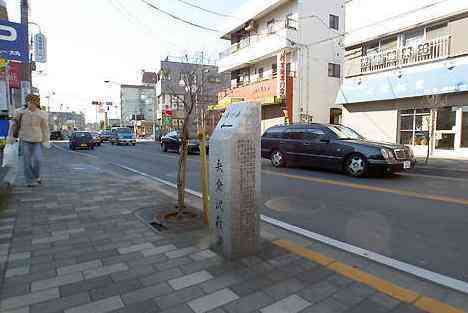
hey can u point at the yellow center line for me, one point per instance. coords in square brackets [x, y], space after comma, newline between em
[399, 192]
[402, 294]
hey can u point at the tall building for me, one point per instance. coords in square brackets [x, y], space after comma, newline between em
[66, 121]
[406, 75]
[137, 108]
[170, 93]
[286, 55]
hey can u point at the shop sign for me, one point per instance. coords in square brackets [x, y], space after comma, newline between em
[282, 74]
[14, 72]
[40, 48]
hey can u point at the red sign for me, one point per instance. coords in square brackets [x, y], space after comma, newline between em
[14, 74]
[167, 112]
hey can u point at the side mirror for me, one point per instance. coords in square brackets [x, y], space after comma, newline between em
[325, 140]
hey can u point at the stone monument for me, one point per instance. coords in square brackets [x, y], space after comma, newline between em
[234, 171]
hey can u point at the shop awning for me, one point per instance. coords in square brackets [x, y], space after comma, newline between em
[429, 79]
[224, 103]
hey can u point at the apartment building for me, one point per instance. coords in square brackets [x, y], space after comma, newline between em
[171, 93]
[406, 77]
[286, 55]
[137, 108]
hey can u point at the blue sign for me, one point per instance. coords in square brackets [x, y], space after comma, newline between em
[13, 42]
[423, 81]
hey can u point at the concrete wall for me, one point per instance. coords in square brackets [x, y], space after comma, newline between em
[458, 29]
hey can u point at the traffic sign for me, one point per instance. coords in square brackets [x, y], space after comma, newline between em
[13, 41]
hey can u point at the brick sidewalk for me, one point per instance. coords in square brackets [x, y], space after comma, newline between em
[74, 245]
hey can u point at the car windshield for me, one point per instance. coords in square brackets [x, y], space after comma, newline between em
[123, 130]
[344, 133]
[82, 135]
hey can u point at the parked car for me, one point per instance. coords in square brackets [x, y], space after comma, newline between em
[96, 138]
[105, 135]
[122, 135]
[56, 135]
[334, 147]
[81, 140]
[172, 142]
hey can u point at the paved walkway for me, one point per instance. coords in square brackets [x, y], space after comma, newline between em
[74, 245]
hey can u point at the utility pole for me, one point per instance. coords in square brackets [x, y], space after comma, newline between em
[26, 67]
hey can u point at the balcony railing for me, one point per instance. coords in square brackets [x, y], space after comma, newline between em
[276, 30]
[431, 50]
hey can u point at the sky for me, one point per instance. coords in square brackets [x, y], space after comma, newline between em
[90, 41]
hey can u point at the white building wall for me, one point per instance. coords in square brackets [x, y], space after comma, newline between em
[379, 125]
[368, 19]
[315, 92]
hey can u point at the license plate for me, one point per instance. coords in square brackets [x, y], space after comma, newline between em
[83, 145]
[407, 165]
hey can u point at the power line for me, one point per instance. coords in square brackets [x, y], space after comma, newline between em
[179, 18]
[117, 5]
[206, 10]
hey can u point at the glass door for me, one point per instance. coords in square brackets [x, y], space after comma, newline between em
[445, 128]
[464, 134]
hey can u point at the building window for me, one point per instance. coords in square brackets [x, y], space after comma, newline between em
[271, 26]
[260, 73]
[177, 103]
[291, 22]
[334, 70]
[414, 126]
[274, 70]
[334, 22]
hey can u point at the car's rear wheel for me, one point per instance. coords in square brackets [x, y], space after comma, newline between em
[277, 159]
[356, 165]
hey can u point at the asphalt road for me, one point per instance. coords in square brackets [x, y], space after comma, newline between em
[420, 218]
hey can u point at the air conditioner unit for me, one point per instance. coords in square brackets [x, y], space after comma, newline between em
[251, 26]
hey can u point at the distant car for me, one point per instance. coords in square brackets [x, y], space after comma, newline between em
[122, 135]
[56, 135]
[333, 147]
[81, 140]
[172, 142]
[96, 138]
[105, 136]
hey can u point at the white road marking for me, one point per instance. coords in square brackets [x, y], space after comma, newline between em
[376, 257]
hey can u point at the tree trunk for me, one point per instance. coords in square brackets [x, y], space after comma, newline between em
[182, 170]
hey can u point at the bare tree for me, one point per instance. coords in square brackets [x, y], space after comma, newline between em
[435, 102]
[192, 78]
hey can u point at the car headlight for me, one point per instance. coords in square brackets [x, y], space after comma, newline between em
[387, 154]
[410, 152]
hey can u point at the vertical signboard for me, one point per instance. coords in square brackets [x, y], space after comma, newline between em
[25, 91]
[3, 96]
[40, 48]
[282, 61]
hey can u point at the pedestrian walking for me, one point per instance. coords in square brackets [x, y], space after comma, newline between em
[33, 133]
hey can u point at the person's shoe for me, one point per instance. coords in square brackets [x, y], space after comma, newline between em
[39, 181]
[30, 185]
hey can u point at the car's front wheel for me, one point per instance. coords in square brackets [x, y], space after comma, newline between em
[277, 159]
[356, 165]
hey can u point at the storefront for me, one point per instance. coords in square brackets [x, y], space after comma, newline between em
[425, 107]
[265, 92]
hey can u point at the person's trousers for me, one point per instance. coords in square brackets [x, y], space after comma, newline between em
[32, 157]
